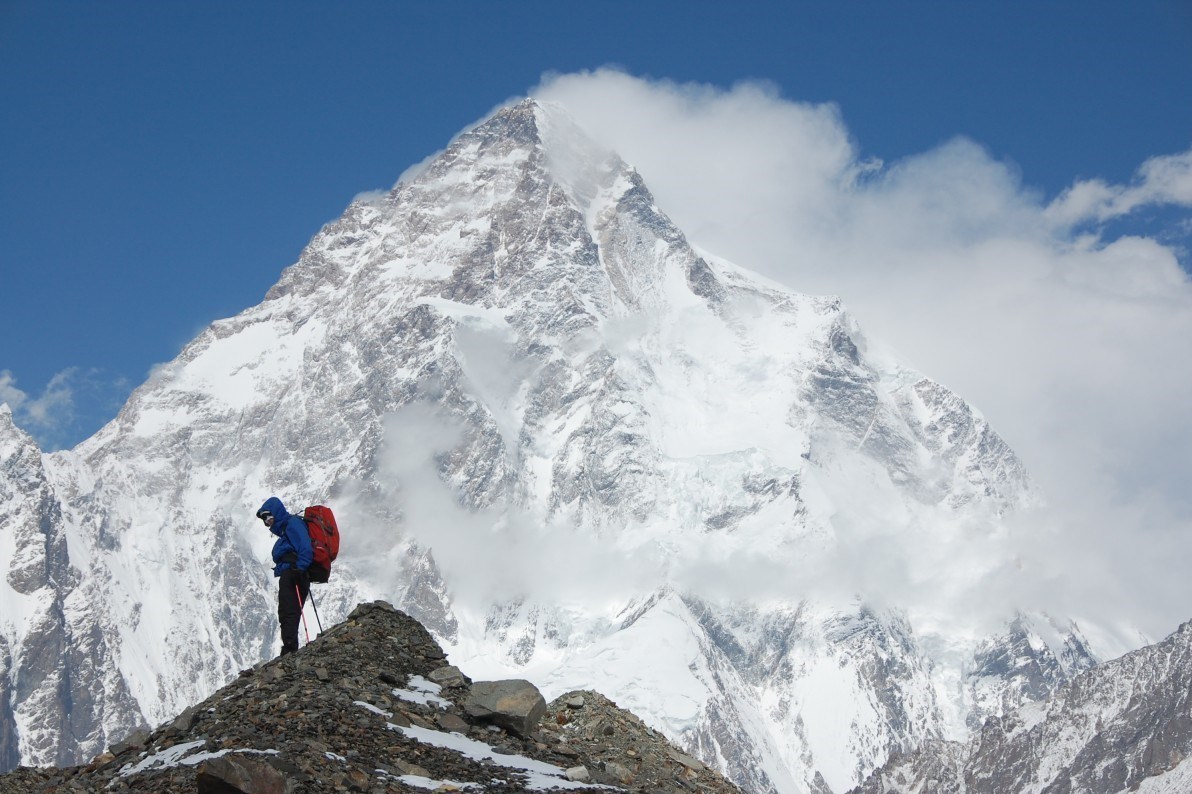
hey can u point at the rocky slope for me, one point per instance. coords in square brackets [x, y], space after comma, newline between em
[574, 447]
[358, 709]
[1125, 725]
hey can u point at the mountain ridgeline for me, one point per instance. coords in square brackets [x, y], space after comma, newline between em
[569, 444]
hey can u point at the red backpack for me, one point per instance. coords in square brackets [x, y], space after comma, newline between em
[324, 540]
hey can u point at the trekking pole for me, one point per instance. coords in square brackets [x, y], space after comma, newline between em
[302, 611]
[315, 607]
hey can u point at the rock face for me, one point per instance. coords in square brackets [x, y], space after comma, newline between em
[515, 367]
[1125, 725]
[355, 711]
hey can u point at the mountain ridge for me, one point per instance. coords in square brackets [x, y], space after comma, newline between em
[372, 705]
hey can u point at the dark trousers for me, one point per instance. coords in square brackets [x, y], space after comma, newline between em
[293, 588]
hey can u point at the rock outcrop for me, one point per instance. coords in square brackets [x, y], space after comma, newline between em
[621, 745]
[358, 710]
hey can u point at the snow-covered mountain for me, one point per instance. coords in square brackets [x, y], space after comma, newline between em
[570, 444]
[1126, 725]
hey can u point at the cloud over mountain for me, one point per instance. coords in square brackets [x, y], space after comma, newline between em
[1068, 334]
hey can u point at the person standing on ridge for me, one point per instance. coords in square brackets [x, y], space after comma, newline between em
[292, 555]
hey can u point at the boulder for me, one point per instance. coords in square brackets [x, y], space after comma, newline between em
[514, 704]
[448, 677]
[134, 741]
[618, 773]
[184, 721]
[242, 774]
[451, 723]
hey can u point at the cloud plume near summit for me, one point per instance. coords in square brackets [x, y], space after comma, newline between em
[1071, 340]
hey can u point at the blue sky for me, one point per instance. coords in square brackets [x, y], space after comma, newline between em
[163, 162]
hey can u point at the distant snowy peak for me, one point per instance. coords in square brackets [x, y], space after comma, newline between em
[1121, 726]
[16, 445]
[30, 553]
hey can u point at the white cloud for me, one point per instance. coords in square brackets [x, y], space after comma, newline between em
[1074, 345]
[497, 554]
[44, 416]
[1166, 179]
[371, 197]
[735, 162]
[9, 393]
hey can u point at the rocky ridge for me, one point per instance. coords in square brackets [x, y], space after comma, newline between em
[371, 705]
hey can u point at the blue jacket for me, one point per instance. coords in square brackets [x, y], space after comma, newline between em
[292, 547]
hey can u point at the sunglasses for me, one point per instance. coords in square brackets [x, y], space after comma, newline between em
[265, 516]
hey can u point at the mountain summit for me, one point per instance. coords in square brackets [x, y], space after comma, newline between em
[575, 447]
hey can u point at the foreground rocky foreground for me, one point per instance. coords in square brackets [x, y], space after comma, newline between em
[372, 706]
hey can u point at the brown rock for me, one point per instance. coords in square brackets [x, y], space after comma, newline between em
[618, 773]
[358, 780]
[450, 722]
[100, 760]
[407, 768]
[236, 773]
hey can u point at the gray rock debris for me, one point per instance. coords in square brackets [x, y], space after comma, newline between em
[621, 750]
[326, 720]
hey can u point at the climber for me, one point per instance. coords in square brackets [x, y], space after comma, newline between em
[291, 557]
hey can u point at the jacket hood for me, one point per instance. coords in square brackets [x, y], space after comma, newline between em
[274, 506]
